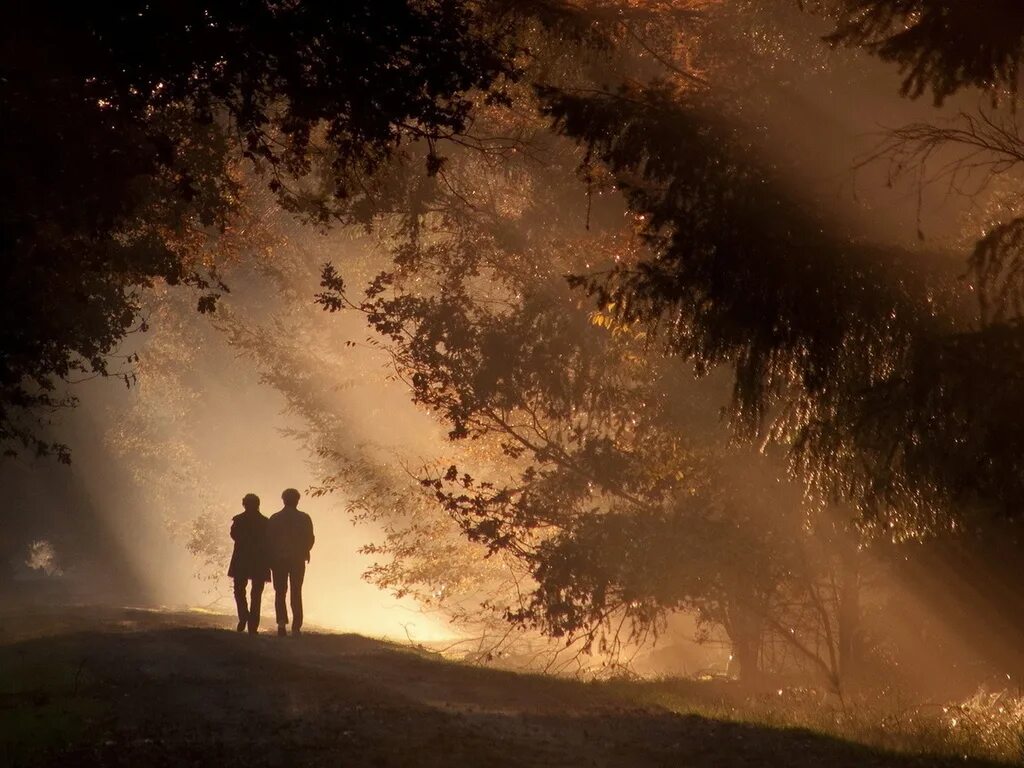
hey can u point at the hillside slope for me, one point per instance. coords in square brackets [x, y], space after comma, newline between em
[142, 689]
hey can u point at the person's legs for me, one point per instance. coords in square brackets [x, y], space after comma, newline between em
[280, 576]
[298, 574]
[255, 604]
[243, 609]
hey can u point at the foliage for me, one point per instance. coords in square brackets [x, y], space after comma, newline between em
[857, 361]
[938, 45]
[986, 725]
[978, 156]
[990, 724]
[601, 507]
[121, 125]
[617, 513]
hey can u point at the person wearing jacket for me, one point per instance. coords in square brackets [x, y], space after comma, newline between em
[249, 561]
[290, 537]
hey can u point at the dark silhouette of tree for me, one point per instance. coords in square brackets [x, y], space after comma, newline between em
[841, 352]
[851, 356]
[868, 367]
[938, 45]
[617, 505]
[946, 47]
[123, 124]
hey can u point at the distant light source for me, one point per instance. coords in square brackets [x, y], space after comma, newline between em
[43, 557]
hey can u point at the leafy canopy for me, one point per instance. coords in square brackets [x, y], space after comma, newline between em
[125, 127]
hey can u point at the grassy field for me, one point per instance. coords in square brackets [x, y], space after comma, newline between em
[138, 688]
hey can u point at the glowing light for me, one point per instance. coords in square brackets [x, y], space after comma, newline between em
[43, 557]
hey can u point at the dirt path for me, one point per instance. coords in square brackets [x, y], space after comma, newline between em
[142, 690]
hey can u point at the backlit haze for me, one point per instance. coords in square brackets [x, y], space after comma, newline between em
[115, 527]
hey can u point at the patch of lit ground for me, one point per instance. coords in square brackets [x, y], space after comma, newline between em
[141, 688]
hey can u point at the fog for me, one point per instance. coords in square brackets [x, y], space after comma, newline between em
[115, 527]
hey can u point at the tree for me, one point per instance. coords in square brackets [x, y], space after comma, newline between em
[938, 45]
[618, 517]
[122, 124]
[589, 485]
[415, 196]
[863, 366]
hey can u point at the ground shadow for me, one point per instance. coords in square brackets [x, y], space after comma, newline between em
[163, 695]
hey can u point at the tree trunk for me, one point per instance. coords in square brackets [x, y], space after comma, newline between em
[745, 636]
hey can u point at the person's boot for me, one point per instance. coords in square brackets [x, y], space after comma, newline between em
[241, 626]
[296, 631]
[281, 631]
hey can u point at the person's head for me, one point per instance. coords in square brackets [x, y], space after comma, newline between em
[290, 497]
[251, 502]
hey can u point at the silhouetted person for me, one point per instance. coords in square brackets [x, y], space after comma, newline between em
[249, 561]
[290, 537]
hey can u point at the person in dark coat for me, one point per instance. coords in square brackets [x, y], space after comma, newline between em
[249, 561]
[290, 537]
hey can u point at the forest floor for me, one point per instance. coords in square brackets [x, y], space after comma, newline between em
[141, 688]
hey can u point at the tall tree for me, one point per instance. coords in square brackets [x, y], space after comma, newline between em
[867, 366]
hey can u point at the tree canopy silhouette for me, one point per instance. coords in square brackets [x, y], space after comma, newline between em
[938, 45]
[124, 129]
[861, 361]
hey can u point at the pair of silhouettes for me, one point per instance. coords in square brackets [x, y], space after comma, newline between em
[276, 548]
